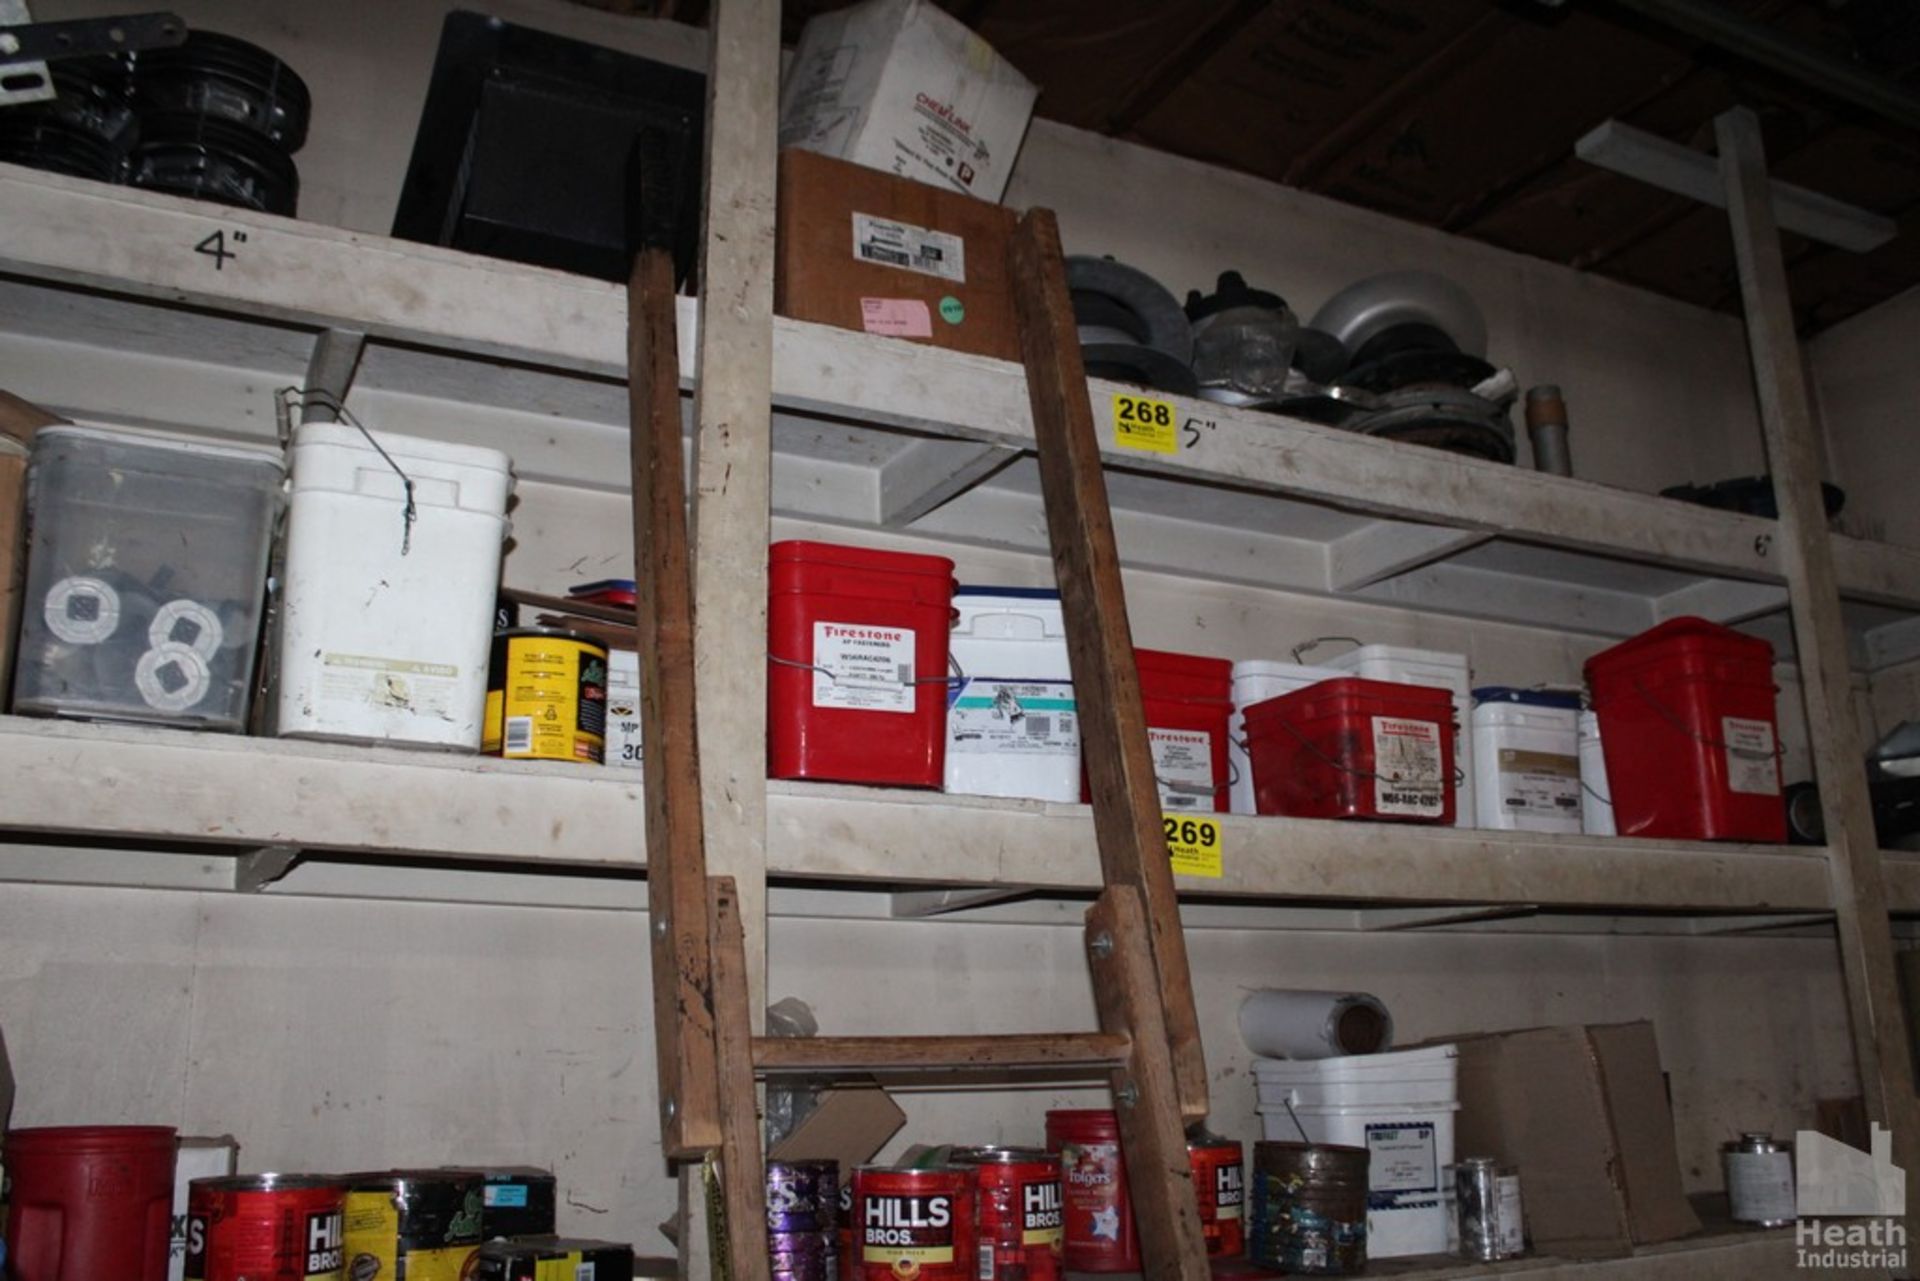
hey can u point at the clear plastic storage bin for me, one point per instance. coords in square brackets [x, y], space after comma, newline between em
[146, 568]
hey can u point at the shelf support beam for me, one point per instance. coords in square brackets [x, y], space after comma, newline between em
[1389, 547]
[335, 360]
[931, 473]
[1880, 1044]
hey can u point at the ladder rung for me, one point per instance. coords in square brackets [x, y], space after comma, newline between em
[929, 1053]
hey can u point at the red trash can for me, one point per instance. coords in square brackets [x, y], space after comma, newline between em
[90, 1202]
[1689, 730]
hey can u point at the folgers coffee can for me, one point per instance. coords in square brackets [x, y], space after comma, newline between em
[266, 1227]
[1097, 1213]
[914, 1225]
[1219, 1186]
[546, 697]
[1018, 1194]
[409, 1225]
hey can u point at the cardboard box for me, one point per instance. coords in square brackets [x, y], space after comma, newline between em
[1582, 1112]
[852, 1123]
[900, 85]
[864, 250]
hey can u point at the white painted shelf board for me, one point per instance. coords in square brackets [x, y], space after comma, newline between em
[85, 782]
[1264, 500]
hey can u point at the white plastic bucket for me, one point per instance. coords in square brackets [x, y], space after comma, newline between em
[1526, 760]
[386, 625]
[1012, 725]
[1255, 681]
[1596, 800]
[1353, 1080]
[1436, 669]
[1409, 1146]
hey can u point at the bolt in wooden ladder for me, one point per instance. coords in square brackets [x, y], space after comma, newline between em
[1149, 1042]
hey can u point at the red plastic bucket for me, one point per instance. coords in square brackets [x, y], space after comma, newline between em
[1690, 734]
[857, 642]
[1188, 701]
[90, 1202]
[1354, 748]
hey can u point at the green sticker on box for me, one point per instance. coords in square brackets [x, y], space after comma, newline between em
[952, 310]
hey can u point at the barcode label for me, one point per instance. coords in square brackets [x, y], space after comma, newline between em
[892, 257]
[905, 672]
[1039, 726]
[583, 1272]
[985, 1270]
[901, 244]
[519, 734]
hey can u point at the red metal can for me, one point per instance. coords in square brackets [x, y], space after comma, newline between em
[266, 1227]
[1218, 1186]
[1098, 1212]
[1019, 1199]
[914, 1225]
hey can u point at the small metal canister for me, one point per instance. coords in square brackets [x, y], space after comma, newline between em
[1491, 1222]
[1760, 1180]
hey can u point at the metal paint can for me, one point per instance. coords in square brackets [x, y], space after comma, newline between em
[1492, 1224]
[1097, 1209]
[1309, 1209]
[803, 1210]
[1219, 1189]
[546, 697]
[1760, 1186]
[1019, 1212]
[914, 1225]
[266, 1227]
[413, 1225]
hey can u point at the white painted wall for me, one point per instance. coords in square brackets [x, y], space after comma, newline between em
[329, 1034]
[1868, 387]
[339, 1034]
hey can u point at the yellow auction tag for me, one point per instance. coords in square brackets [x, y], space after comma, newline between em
[1194, 844]
[1140, 422]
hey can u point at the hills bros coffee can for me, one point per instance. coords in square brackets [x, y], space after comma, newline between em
[266, 1227]
[1219, 1187]
[914, 1225]
[1019, 1216]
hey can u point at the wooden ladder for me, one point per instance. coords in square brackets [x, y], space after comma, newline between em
[1148, 1045]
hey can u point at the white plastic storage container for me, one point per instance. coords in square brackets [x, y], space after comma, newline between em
[1436, 669]
[1398, 1106]
[146, 571]
[1013, 728]
[1526, 759]
[1255, 681]
[1596, 800]
[386, 623]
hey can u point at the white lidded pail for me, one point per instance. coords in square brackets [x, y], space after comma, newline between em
[1526, 759]
[386, 623]
[1255, 681]
[1436, 669]
[1400, 1107]
[1013, 728]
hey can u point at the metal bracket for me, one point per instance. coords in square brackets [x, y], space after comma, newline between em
[254, 871]
[27, 46]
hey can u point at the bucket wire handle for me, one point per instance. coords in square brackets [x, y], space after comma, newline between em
[1309, 645]
[287, 397]
[1777, 751]
[1287, 1101]
[959, 676]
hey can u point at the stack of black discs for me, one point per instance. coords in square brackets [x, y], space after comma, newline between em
[803, 1205]
[220, 120]
[86, 130]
